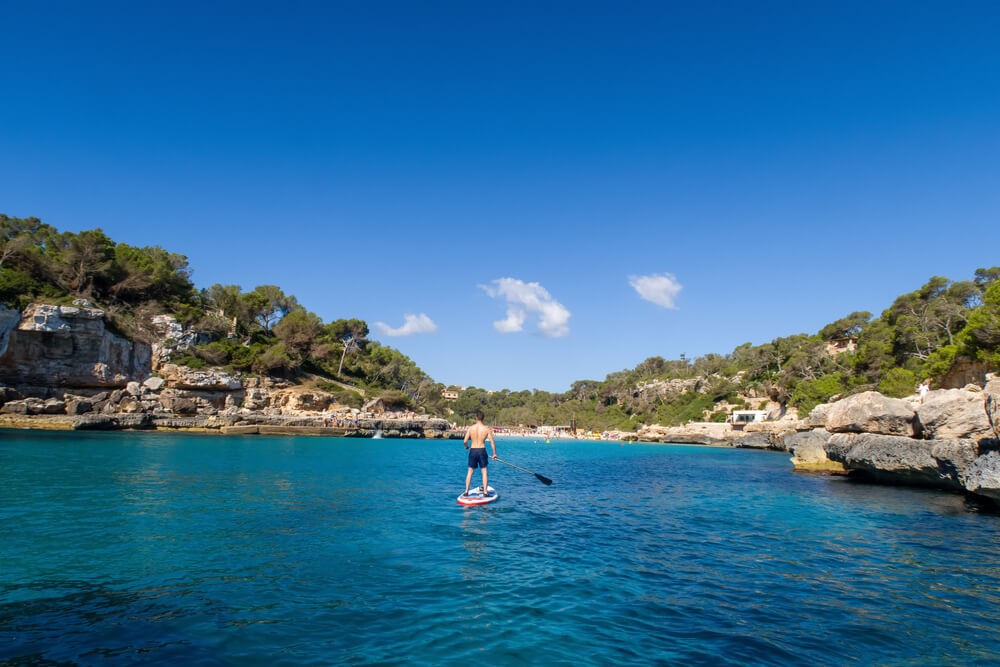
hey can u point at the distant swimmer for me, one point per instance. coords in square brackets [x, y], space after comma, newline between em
[478, 433]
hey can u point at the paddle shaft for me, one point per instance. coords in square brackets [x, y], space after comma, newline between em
[541, 478]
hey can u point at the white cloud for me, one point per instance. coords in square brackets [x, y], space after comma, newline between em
[661, 289]
[524, 299]
[412, 324]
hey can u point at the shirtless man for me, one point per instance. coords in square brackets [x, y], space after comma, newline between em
[478, 433]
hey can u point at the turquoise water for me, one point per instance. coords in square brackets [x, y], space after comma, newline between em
[152, 548]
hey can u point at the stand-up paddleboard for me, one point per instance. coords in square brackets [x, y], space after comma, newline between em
[477, 497]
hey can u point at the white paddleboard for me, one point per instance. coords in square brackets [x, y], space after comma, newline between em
[477, 497]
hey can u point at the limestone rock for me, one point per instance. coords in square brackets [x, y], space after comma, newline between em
[182, 377]
[154, 383]
[172, 337]
[298, 402]
[817, 417]
[179, 405]
[991, 405]
[704, 433]
[9, 320]
[759, 440]
[983, 474]
[68, 346]
[954, 413]
[809, 452]
[108, 422]
[899, 460]
[78, 406]
[871, 412]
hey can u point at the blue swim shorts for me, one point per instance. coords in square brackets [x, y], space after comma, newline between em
[478, 458]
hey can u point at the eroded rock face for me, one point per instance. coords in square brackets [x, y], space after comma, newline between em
[9, 319]
[172, 338]
[809, 451]
[983, 475]
[954, 413]
[901, 460]
[70, 346]
[872, 413]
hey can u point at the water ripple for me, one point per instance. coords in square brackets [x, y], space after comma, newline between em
[217, 551]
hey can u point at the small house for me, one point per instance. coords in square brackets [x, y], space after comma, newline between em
[741, 418]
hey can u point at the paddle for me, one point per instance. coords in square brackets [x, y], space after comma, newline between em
[541, 478]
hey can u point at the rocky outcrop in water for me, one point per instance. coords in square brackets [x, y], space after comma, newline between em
[954, 445]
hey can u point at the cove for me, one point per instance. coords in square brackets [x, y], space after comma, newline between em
[138, 548]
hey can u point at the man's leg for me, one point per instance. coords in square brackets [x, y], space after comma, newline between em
[468, 480]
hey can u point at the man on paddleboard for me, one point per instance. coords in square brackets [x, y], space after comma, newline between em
[478, 433]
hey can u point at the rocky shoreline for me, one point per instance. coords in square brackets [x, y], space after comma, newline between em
[949, 439]
[62, 368]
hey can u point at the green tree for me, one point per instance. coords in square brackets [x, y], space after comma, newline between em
[810, 393]
[898, 382]
[852, 325]
[298, 331]
[81, 263]
[267, 305]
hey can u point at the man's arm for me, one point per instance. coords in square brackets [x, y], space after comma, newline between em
[493, 443]
[465, 440]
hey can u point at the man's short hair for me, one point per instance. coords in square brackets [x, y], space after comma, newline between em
[479, 415]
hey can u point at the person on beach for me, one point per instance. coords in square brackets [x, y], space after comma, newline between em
[478, 434]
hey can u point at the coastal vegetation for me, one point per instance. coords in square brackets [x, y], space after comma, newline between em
[259, 331]
[925, 335]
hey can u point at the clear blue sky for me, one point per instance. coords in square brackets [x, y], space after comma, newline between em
[552, 190]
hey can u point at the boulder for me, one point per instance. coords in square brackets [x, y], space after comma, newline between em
[809, 452]
[182, 377]
[154, 383]
[983, 475]
[22, 406]
[53, 406]
[179, 405]
[817, 417]
[899, 460]
[954, 413]
[759, 440]
[78, 406]
[871, 412]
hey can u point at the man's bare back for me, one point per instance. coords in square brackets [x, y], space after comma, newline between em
[478, 433]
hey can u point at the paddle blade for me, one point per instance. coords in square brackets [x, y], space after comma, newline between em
[543, 479]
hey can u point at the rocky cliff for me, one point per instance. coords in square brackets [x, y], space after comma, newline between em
[62, 367]
[66, 347]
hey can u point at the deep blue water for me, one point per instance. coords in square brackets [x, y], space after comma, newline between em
[152, 548]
